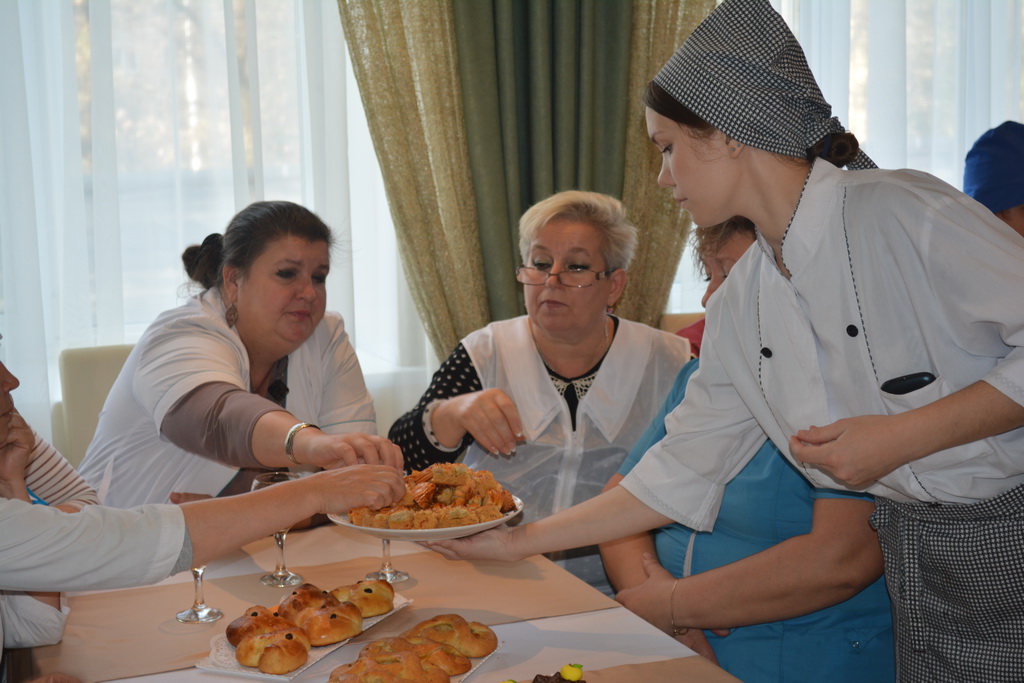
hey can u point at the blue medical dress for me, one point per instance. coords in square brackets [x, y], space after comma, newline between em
[765, 504]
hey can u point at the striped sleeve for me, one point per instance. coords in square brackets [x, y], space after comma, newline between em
[52, 477]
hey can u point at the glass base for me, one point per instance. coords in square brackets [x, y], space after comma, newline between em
[282, 580]
[389, 575]
[200, 615]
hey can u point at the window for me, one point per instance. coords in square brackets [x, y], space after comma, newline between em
[916, 80]
[143, 126]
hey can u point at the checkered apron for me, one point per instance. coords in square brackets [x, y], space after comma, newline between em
[955, 574]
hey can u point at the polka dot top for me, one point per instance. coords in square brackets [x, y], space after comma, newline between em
[457, 376]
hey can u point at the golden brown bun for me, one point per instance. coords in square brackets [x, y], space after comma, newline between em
[257, 619]
[444, 657]
[385, 646]
[370, 675]
[304, 597]
[277, 652]
[333, 624]
[441, 655]
[405, 666]
[373, 598]
[472, 639]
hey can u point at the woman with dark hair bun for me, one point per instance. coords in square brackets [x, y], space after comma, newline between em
[250, 374]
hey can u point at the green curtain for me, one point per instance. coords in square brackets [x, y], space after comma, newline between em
[480, 108]
[405, 61]
[545, 96]
[659, 27]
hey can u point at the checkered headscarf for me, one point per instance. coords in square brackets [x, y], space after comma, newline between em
[744, 72]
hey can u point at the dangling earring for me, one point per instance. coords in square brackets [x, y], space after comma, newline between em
[231, 315]
[610, 308]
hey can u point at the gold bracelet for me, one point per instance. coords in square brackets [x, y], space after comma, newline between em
[676, 631]
[289, 440]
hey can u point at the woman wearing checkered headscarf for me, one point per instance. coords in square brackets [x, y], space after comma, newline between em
[873, 333]
[863, 278]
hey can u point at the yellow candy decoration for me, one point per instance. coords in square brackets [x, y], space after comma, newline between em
[572, 672]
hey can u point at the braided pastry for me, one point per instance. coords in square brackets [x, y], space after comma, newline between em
[444, 657]
[305, 597]
[373, 598]
[277, 652]
[257, 619]
[472, 639]
[374, 675]
[405, 666]
[331, 624]
[441, 655]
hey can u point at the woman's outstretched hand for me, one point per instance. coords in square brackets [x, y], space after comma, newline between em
[493, 544]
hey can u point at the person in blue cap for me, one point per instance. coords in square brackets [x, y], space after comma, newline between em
[994, 173]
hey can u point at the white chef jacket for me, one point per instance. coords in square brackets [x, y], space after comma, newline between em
[129, 461]
[557, 467]
[893, 273]
[44, 549]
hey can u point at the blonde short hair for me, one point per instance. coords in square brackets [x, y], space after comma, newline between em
[600, 211]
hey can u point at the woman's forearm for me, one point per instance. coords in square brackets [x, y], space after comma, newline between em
[976, 412]
[268, 437]
[609, 516]
[803, 574]
[621, 557]
[218, 525]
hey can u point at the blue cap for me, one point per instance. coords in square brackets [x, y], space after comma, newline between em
[994, 170]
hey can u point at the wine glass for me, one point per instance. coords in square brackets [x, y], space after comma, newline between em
[199, 612]
[280, 577]
[387, 572]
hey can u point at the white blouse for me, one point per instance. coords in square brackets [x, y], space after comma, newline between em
[893, 273]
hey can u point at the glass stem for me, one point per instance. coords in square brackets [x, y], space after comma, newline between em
[279, 537]
[385, 566]
[197, 578]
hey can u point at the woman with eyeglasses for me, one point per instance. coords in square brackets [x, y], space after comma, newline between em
[551, 402]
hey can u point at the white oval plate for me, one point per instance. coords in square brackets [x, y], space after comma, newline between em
[430, 534]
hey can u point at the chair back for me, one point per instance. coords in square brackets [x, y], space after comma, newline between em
[86, 375]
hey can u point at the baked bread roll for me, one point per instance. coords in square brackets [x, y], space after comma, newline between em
[371, 675]
[444, 657]
[372, 597]
[304, 597]
[277, 652]
[257, 619]
[472, 639]
[332, 624]
[405, 666]
[441, 655]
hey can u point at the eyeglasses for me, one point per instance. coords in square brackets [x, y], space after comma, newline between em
[567, 278]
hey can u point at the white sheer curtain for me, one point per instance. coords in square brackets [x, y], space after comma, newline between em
[916, 80]
[130, 129]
